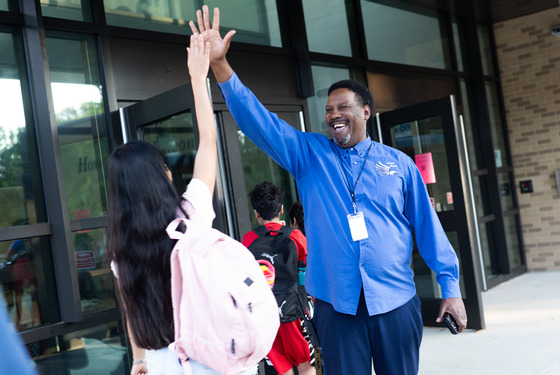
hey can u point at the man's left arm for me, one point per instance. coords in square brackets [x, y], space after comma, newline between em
[434, 246]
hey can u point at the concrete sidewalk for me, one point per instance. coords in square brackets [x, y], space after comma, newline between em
[522, 334]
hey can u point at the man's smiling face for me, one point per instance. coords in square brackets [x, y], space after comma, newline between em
[346, 118]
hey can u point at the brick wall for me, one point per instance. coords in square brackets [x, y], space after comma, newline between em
[529, 61]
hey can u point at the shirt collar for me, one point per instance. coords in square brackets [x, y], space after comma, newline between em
[360, 149]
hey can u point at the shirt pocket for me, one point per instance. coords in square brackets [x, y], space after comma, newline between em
[390, 192]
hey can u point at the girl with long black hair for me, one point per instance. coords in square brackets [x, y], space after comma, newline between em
[143, 201]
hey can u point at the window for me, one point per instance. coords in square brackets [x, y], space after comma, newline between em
[255, 22]
[174, 137]
[95, 279]
[485, 50]
[6, 4]
[476, 159]
[81, 121]
[258, 168]
[96, 350]
[77, 91]
[405, 34]
[28, 284]
[496, 128]
[458, 39]
[327, 27]
[21, 189]
[78, 10]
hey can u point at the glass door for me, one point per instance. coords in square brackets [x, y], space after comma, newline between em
[432, 136]
[247, 165]
[168, 122]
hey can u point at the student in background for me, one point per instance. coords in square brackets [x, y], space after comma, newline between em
[296, 216]
[290, 349]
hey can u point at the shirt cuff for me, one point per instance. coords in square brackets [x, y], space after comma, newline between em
[450, 289]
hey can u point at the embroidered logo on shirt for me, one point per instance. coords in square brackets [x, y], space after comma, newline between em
[385, 169]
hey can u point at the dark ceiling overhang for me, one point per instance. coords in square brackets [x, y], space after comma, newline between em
[491, 11]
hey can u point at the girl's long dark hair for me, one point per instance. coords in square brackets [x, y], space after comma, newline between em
[142, 202]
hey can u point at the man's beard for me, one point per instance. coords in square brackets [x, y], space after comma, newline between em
[344, 140]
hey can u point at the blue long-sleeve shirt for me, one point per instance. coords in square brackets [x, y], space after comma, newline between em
[390, 193]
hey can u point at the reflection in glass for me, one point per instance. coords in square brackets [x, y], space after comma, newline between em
[323, 78]
[485, 49]
[255, 22]
[425, 279]
[78, 10]
[28, 284]
[506, 194]
[481, 200]
[423, 141]
[512, 240]
[77, 91]
[21, 189]
[94, 272]
[476, 159]
[489, 254]
[458, 40]
[498, 140]
[405, 34]
[257, 168]
[174, 137]
[96, 350]
[327, 27]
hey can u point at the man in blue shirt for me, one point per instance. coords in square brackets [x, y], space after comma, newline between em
[363, 201]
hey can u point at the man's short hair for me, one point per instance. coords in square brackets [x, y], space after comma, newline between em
[266, 199]
[361, 91]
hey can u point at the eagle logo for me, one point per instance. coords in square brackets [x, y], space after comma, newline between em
[385, 169]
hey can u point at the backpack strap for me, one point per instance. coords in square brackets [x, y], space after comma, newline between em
[172, 231]
[262, 230]
[286, 230]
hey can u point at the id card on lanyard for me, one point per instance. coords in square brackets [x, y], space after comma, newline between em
[357, 225]
[356, 220]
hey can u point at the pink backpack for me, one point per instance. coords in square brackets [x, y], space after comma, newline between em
[225, 314]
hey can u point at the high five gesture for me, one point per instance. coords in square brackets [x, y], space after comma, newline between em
[211, 33]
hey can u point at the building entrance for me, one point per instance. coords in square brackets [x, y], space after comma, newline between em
[168, 121]
[432, 136]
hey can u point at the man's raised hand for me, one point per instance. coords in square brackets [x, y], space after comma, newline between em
[212, 34]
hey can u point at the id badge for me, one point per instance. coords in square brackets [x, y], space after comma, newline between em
[357, 226]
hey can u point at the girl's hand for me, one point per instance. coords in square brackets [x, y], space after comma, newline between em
[198, 57]
[141, 369]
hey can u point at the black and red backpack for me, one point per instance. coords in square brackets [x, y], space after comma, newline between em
[279, 249]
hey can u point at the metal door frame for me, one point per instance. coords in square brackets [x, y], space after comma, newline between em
[463, 219]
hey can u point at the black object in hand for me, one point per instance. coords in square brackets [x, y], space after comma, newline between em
[451, 323]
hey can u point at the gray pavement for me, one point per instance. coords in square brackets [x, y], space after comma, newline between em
[522, 335]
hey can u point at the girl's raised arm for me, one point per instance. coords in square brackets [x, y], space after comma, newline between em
[206, 155]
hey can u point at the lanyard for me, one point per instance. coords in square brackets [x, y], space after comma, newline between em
[350, 188]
